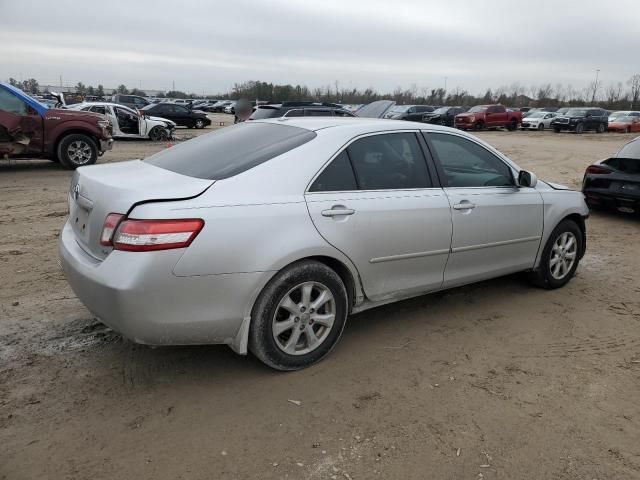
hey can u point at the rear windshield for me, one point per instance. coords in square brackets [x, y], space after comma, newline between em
[231, 150]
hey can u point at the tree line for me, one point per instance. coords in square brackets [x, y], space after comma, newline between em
[614, 96]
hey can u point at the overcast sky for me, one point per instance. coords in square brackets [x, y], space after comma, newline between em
[209, 45]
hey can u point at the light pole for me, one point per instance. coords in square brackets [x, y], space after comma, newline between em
[595, 86]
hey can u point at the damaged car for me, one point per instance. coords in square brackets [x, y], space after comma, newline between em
[127, 123]
[29, 129]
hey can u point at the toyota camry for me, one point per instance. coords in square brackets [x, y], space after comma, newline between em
[266, 235]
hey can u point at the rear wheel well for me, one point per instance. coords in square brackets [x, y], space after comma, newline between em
[579, 220]
[343, 272]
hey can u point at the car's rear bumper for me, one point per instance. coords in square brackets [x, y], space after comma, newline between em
[138, 295]
[627, 202]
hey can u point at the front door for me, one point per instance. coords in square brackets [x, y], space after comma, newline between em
[497, 226]
[21, 127]
[376, 203]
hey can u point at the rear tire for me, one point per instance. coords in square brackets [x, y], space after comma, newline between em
[282, 312]
[77, 150]
[558, 264]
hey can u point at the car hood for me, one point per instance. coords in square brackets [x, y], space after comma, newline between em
[375, 109]
[159, 119]
[60, 114]
[469, 114]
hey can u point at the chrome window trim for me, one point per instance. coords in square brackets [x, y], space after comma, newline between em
[346, 145]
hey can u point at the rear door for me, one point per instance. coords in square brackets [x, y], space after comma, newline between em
[497, 226]
[377, 202]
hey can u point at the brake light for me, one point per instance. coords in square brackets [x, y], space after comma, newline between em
[148, 235]
[110, 225]
[597, 170]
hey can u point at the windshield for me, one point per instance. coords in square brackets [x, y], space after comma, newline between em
[536, 114]
[441, 110]
[400, 108]
[619, 114]
[232, 150]
[478, 109]
[576, 113]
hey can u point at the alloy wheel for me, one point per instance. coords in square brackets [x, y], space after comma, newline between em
[563, 255]
[304, 318]
[79, 152]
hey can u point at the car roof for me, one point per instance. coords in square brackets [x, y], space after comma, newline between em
[357, 125]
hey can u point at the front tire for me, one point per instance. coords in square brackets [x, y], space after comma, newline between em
[512, 126]
[199, 123]
[579, 128]
[299, 316]
[600, 128]
[560, 256]
[540, 127]
[77, 150]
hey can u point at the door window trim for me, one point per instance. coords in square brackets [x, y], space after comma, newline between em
[441, 174]
[435, 180]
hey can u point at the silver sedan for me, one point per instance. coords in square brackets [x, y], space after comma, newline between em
[266, 235]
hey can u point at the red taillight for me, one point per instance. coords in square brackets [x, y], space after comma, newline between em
[597, 170]
[110, 225]
[147, 235]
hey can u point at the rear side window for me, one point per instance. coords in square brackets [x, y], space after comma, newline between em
[231, 150]
[337, 177]
[317, 113]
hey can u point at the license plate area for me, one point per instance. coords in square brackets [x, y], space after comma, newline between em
[79, 218]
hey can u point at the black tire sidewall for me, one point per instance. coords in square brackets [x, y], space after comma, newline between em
[261, 341]
[579, 128]
[544, 271]
[64, 144]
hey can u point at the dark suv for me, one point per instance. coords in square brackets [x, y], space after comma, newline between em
[131, 101]
[443, 115]
[299, 109]
[581, 119]
[411, 113]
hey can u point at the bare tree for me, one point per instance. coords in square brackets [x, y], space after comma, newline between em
[634, 83]
[613, 92]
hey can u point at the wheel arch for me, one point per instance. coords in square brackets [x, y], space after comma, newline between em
[347, 273]
[73, 131]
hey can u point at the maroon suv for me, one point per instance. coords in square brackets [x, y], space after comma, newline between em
[29, 129]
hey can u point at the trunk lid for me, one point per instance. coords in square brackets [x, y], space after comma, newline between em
[99, 190]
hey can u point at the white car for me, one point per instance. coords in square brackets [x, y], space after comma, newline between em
[128, 123]
[537, 121]
[231, 108]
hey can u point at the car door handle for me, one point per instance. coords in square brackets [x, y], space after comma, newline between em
[336, 212]
[464, 205]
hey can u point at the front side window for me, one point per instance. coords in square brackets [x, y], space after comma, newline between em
[98, 109]
[12, 104]
[467, 164]
[389, 161]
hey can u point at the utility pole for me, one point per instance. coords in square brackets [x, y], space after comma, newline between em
[445, 84]
[595, 87]
[174, 85]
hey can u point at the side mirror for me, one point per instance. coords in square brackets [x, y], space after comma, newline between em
[527, 179]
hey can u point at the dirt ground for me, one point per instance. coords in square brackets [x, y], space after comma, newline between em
[497, 380]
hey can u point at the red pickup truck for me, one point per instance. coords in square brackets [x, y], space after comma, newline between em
[29, 129]
[488, 116]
